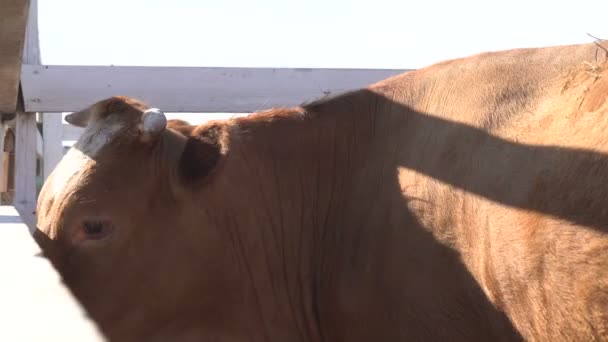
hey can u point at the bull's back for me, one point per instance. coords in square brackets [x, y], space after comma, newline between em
[511, 170]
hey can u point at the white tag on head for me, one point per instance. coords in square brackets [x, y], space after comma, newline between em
[154, 122]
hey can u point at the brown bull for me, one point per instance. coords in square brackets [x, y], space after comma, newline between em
[466, 201]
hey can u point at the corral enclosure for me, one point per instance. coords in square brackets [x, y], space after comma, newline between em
[35, 96]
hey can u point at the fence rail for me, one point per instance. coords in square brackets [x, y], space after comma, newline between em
[48, 88]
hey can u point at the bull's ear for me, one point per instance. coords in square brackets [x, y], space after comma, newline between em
[79, 119]
[201, 155]
[153, 124]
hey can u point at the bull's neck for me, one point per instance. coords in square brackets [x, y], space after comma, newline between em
[334, 209]
[331, 215]
[292, 174]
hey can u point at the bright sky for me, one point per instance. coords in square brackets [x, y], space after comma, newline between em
[305, 33]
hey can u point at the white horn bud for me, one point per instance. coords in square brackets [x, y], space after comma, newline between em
[154, 122]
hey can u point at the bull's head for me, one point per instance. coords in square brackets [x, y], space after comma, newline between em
[118, 220]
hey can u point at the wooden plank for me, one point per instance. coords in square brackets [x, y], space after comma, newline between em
[13, 19]
[25, 167]
[31, 46]
[52, 129]
[36, 306]
[188, 89]
[26, 134]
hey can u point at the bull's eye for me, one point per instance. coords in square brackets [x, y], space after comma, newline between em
[95, 229]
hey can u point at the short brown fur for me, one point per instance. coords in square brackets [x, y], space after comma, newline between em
[464, 201]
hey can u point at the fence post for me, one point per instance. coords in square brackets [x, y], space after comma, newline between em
[26, 132]
[52, 147]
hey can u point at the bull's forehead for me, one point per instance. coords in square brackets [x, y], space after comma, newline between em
[96, 136]
[70, 166]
